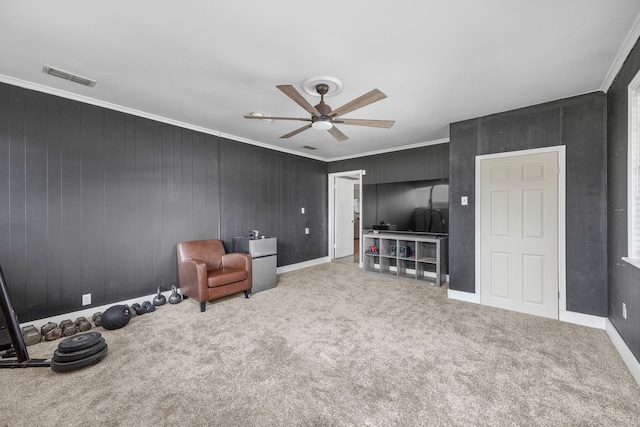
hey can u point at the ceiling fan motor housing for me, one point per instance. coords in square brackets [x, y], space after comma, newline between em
[322, 108]
[324, 111]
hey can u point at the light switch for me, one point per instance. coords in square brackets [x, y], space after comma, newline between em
[306, 231]
[302, 211]
[464, 200]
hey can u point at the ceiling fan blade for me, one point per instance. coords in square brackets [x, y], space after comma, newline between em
[339, 136]
[366, 99]
[292, 93]
[364, 122]
[277, 118]
[297, 131]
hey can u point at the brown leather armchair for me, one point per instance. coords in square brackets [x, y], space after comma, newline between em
[206, 272]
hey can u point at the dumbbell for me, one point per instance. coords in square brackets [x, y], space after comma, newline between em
[97, 318]
[30, 335]
[148, 307]
[138, 309]
[82, 324]
[68, 327]
[51, 331]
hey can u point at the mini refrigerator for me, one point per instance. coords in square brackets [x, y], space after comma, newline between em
[264, 256]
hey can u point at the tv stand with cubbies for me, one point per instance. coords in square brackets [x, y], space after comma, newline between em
[412, 256]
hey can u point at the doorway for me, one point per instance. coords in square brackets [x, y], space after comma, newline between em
[345, 195]
[520, 251]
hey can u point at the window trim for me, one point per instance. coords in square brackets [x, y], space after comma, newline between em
[633, 171]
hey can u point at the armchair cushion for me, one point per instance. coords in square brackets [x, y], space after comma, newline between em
[225, 276]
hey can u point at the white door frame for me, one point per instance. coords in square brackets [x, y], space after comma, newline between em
[332, 209]
[562, 246]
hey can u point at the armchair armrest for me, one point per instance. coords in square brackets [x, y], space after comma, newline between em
[192, 275]
[239, 261]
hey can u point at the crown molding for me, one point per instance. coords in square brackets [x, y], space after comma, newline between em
[390, 150]
[92, 101]
[628, 44]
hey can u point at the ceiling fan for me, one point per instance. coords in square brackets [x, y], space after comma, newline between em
[322, 117]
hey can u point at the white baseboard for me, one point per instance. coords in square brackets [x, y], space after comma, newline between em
[463, 296]
[565, 316]
[627, 356]
[300, 265]
[580, 319]
[583, 319]
[88, 312]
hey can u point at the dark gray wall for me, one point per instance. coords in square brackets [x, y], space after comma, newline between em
[579, 123]
[264, 190]
[429, 162]
[94, 201]
[624, 279]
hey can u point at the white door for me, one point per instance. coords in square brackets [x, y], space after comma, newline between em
[519, 233]
[344, 217]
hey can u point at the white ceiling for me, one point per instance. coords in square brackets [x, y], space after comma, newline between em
[204, 64]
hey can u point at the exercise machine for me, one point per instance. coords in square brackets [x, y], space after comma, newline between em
[13, 350]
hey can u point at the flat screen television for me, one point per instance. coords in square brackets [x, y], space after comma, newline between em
[417, 206]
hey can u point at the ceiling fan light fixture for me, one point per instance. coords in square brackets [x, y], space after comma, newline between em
[322, 125]
[256, 114]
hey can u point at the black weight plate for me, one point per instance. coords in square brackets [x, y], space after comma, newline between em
[79, 342]
[78, 364]
[80, 354]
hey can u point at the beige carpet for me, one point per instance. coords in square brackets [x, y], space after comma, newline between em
[332, 346]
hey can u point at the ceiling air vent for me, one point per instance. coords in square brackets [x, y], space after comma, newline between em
[68, 76]
[309, 147]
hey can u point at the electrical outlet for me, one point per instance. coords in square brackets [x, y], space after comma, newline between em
[86, 299]
[302, 211]
[624, 310]
[464, 200]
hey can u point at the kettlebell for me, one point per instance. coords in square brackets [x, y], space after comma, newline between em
[175, 297]
[159, 299]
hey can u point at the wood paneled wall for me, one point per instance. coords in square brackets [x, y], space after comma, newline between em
[94, 201]
[264, 190]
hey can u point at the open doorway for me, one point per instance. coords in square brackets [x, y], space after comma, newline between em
[345, 196]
